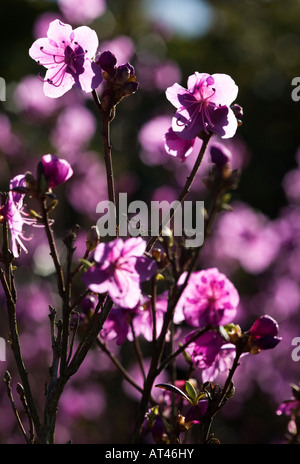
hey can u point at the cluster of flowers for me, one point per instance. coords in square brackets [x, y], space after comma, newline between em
[209, 300]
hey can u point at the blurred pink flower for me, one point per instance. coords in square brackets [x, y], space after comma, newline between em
[247, 237]
[143, 318]
[68, 56]
[151, 139]
[10, 143]
[42, 22]
[82, 11]
[166, 73]
[75, 126]
[87, 401]
[121, 46]
[291, 186]
[209, 298]
[88, 185]
[30, 98]
[117, 325]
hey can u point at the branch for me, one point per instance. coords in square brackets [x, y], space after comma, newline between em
[7, 380]
[185, 190]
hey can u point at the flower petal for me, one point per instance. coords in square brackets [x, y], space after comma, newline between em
[226, 90]
[55, 91]
[174, 92]
[91, 77]
[87, 39]
[60, 33]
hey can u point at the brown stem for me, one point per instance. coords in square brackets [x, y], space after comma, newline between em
[184, 191]
[121, 368]
[106, 117]
[7, 380]
[53, 250]
[15, 345]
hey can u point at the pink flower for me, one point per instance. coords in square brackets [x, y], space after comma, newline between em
[209, 299]
[68, 56]
[142, 321]
[119, 269]
[82, 11]
[248, 230]
[222, 363]
[116, 327]
[12, 212]
[204, 106]
[204, 349]
[55, 170]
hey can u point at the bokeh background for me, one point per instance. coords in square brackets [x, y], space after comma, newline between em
[257, 42]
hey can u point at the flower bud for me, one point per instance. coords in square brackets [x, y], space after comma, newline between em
[55, 170]
[93, 238]
[88, 305]
[263, 335]
[107, 61]
[124, 73]
[238, 111]
[220, 155]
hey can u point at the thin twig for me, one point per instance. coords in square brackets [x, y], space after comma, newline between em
[7, 380]
[53, 250]
[138, 351]
[184, 191]
[118, 364]
[106, 119]
[22, 397]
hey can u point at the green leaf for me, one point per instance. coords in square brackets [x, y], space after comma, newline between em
[173, 389]
[191, 392]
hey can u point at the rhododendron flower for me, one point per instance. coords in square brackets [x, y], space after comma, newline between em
[176, 146]
[221, 364]
[251, 231]
[55, 170]
[12, 212]
[142, 321]
[120, 322]
[204, 106]
[119, 269]
[117, 325]
[209, 299]
[68, 56]
[204, 349]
